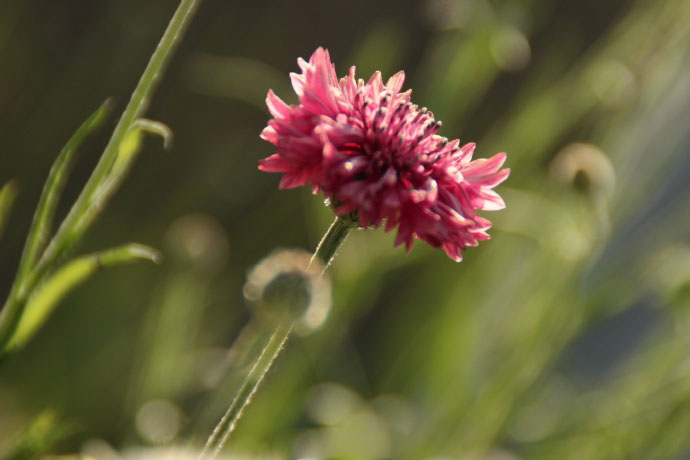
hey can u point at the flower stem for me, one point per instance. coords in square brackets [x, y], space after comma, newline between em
[331, 241]
[251, 384]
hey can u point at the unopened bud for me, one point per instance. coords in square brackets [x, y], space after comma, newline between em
[288, 286]
[585, 167]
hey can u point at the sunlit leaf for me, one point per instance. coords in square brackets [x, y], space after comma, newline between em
[127, 153]
[75, 272]
[132, 142]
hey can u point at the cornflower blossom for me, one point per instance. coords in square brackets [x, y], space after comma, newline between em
[374, 153]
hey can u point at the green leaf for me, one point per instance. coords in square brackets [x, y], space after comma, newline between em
[127, 154]
[102, 185]
[7, 195]
[57, 178]
[129, 148]
[88, 206]
[46, 297]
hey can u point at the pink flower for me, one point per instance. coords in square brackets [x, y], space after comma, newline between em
[370, 150]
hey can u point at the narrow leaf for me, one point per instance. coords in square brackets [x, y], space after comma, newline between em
[57, 178]
[127, 154]
[87, 207]
[8, 193]
[155, 127]
[42, 303]
[131, 144]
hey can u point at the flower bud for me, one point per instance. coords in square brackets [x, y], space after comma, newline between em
[584, 167]
[288, 286]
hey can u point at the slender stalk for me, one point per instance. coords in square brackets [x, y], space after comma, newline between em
[247, 390]
[137, 105]
[331, 241]
[65, 236]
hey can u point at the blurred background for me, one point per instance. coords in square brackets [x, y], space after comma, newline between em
[565, 336]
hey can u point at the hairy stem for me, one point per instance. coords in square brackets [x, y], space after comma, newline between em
[247, 390]
[331, 241]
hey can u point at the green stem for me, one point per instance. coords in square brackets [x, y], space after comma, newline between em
[137, 105]
[63, 239]
[247, 390]
[331, 241]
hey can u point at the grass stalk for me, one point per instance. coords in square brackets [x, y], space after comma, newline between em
[100, 186]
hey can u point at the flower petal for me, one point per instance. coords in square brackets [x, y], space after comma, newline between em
[369, 149]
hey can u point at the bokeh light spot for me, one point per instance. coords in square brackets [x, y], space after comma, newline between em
[158, 421]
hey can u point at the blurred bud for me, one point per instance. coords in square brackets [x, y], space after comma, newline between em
[199, 240]
[287, 293]
[510, 49]
[585, 167]
[287, 285]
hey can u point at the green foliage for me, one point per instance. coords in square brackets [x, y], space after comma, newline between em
[57, 178]
[46, 297]
[21, 315]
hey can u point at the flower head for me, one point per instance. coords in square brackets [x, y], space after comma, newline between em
[370, 150]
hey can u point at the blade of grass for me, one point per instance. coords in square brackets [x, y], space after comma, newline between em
[129, 150]
[45, 211]
[89, 198]
[87, 201]
[57, 178]
[42, 303]
[8, 193]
